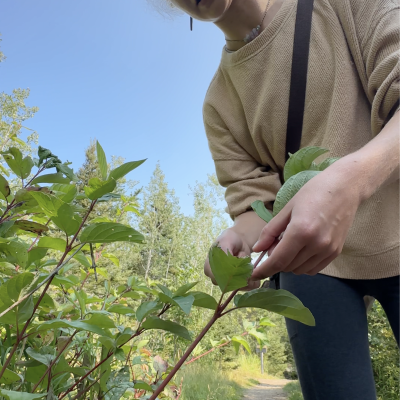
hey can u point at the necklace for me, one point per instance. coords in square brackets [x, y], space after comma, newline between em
[254, 32]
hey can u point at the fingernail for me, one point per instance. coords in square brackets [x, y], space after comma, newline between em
[255, 245]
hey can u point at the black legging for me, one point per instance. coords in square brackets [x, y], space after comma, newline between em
[332, 358]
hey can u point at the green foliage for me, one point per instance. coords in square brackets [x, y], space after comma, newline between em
[279, 301]
[384, 354]
[293, 390]
[231, 273]
[298, 170]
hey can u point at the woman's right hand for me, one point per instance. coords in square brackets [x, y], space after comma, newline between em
[235, 242]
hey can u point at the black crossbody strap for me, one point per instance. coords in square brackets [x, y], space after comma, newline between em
[298, 84]
[298, 80]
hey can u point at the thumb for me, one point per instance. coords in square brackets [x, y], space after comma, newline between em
[273, 230]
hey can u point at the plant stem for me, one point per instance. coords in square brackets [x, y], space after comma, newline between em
[54, 361]
[50, 278]
[216, 316]
[86, 375]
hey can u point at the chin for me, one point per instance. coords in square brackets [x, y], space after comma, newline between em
[212, 10]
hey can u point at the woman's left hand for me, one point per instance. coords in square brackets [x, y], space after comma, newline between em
[315, 223]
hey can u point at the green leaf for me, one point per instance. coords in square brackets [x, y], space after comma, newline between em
[9, 376]
[241, 341]
[184, 289]
[124, 169]
[31, 226]
[301, 161]
[66, 220]
[165, 290]
[25, 310]
[5, 229]
[278, 301]
[67, 171]
[102, 321]
[48, 203]
[62, 323]
[146, 308]
[25, 197]
[327, 163]
[260, 209]
[4, 187]
[132, 295]
[64, 192]
[106, 232]
[102, 160]
[230, 272]
[44, 154]
[52, 243]
[266, 322]
[152, 322]
[184, 303]
[260, 336]
[141, 385]
[112, 258]
[15, 250]
[51, 178]
[120, 309]
[98, 188]
[45, 359]
[7, 269]
[204, 300]
[118, 383]
[20, 166]
[81, 301]
[11, 395]
[291, 187]
[82, 259]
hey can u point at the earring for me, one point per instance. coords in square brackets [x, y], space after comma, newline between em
[191, 23]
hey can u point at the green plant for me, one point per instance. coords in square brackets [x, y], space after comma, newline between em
[293, 389]
[58, 341]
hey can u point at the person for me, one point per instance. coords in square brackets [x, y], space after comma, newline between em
[337, 239]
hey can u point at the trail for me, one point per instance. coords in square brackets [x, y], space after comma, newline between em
[268, 389]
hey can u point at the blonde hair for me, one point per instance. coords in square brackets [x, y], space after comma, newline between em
[165, 7]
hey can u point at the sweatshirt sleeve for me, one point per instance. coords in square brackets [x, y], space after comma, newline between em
[372, 29]
[243, 177]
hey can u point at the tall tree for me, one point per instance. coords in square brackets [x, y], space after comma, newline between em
[161, 223]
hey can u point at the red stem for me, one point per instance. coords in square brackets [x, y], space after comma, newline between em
[85, 376]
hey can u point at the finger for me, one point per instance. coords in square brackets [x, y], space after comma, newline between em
[271, 249]
[208, 272]
[273, 230]
[322, 265]
[251, 286]
[309, 264]
[284, 254]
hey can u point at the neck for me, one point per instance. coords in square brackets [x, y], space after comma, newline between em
[242, 17]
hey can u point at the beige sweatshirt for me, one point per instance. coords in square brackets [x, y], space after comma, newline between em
[352, 91]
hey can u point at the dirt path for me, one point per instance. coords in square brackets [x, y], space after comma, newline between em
[268, 389]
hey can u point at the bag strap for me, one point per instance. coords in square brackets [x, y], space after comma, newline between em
[298, 79]
[298, 84]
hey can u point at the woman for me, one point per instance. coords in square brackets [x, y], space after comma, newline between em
[341, 230]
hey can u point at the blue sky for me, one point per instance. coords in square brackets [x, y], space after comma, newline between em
[116, 71]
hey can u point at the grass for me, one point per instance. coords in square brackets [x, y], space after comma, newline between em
[213, 381]
[248, 371]
[208, 382]
[293, 390]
